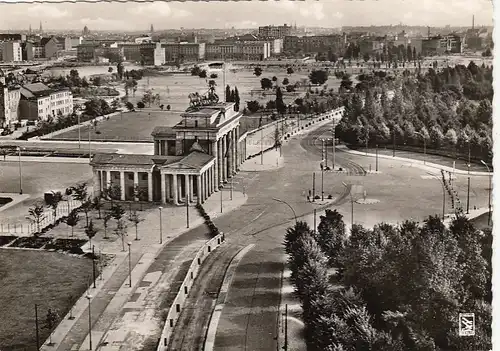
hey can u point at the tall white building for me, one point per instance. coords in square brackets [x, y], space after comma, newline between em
[12, 51]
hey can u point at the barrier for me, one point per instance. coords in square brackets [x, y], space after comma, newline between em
[176, 308]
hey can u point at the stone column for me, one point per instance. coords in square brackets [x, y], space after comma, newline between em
[200, 200]
[150, 186]
[163, 190]
[215, 153]
[122, 185]
[224, 158]
[168, 187]
[206, 185]
[211, 180]
[186, 187]
[108, 179]
[237, 148]
[175, 189]
[157, 147]
[219, 162]
[136, 183]
[191, 188]
[230, 155]
[235, 154]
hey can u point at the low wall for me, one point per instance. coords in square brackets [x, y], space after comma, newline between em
[176, 308]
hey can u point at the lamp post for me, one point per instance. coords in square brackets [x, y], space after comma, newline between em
[352, 205]
[161, 228]
[79, 130]
[20, 172]
[89, 297]
[90, 149]
[333, 136]
[291, 208]
[187, 210]
[220, 190]
[425, 143]
[129, 265]
[376, 158]
[489, 192]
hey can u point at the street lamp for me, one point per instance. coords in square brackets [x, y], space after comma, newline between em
[352, 205]
[89, 297]
[20, 172]
[129, 265]
[79, 130]
[220, 191]
[425, 143]
[161, 229]
[291, 208]
[489, 192]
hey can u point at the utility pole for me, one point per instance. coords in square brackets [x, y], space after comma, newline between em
[394, 142]
[376, 158]
[468, 187]
[261, 146]
[285, 347]
[36, 326]
[187, 210]
[322, 192]
[314, 185]
[93, 265]
[333, 136]
[314, 221]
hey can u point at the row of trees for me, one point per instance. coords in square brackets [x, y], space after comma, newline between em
[394, 287]
[450, 109]
[233, 95]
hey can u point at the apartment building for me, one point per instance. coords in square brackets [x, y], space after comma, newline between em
[252, 50]
[9, 105]
[38, 101]
[152, 54]
[275, 32]
[439, 45]
[11, 51]
[86, 52]
[315, 43]
[184, 51]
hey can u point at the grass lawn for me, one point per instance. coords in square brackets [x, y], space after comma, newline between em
[129, 126]
[24, 282]
[481, 222]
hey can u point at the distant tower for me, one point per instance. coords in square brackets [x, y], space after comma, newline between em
[85, 31]
[29, 31]
[152, 30]
[41, 29]
[472, 22]
[428, 32]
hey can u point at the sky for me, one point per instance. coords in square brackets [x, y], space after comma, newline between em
[136, 16]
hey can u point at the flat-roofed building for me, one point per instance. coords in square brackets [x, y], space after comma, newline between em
[12, 51]
[9, 105]
[38, 102]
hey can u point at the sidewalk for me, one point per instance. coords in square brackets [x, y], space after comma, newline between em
[112, 296]
[413, 162]
[269, 160]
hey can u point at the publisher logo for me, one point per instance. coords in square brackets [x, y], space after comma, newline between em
[467, 324]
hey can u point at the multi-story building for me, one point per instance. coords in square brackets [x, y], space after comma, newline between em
[251, 50]
[184, 51]
[371, 46]
[71, 43]
[276, 47]
[275, 32]
[27, 51]
[131, 51]
[152, 54]
[315, 44]
[38, 102]
[9, 104]
[87, 52]
[12, 37]
[50, 47]
[439, 45]
[12, 51]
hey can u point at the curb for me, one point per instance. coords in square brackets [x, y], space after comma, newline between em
[416, 162]
[221, 298]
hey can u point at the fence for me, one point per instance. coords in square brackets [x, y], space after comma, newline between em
[29, 226]
[175, 310]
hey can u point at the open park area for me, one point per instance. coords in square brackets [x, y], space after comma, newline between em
[25, 281]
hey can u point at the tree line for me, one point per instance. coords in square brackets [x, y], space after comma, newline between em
[394, 288]
[450, 109]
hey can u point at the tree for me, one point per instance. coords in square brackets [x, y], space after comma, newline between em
[37, 215]
[203, 74]
[332, 236]
[280, 105]
[54, 201]
[97, 204]
[274, 79]
[119, 70]
[213, 75]
[50, 323]
[285, 81]
[129, 105]
[93, 107]
[121, 231]
[91, 231]
[289, 70]
[228, 93]
[318, 76]
[117, 211]
[86, 207]
[257, 71]
[135, 219]
[72, 220]
[140, 105]
[253, 106]
[266, 83]
[195, 71]
[236, 99]
[105, 220]
[79, 192]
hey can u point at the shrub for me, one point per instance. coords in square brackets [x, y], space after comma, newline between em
[317, 197]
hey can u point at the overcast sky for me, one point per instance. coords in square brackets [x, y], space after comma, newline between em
[135, 16]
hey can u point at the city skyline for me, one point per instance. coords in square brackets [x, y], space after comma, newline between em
[240, 15]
